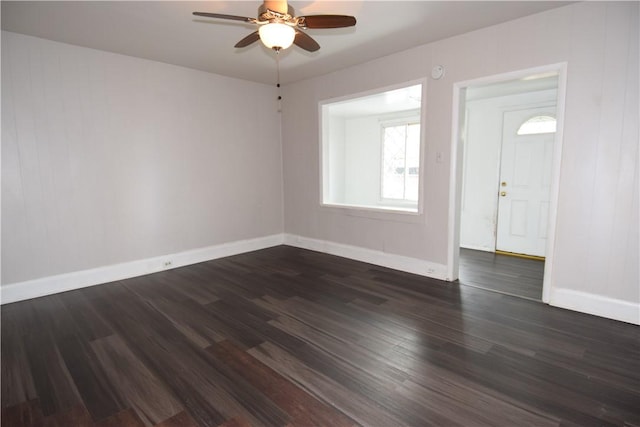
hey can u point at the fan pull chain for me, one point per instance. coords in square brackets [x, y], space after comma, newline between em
[278, 78]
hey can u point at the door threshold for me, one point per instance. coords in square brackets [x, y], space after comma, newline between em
[525, 256]
[496, 291]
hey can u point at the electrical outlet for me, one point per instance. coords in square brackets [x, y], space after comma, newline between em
[167, 264]
[431, 270]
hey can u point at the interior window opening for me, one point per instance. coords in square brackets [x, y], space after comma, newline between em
[372, 149]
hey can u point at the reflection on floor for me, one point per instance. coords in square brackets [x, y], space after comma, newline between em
[286, 336]
[502, 273]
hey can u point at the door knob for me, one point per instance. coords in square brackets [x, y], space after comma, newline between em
[504, 184]
[503, 193]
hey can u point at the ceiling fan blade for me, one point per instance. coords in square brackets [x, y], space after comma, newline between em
[253, 37]
[305, 41]
[222, 16]
[327, 21]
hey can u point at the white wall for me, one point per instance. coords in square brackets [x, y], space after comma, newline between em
[108, 159]
[362, 161]
[480, 175]
[596, 252]
[336, 156]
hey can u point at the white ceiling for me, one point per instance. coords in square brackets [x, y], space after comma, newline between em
[166, 31]
[391, 101]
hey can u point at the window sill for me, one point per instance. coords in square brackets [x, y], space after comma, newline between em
[389, 213]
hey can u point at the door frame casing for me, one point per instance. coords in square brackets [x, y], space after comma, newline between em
[457, 148]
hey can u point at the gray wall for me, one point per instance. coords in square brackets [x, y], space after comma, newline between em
[108, 159]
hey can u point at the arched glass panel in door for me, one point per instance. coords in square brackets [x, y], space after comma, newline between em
[537, 125]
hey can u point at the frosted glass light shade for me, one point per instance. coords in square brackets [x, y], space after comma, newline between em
[277, 35]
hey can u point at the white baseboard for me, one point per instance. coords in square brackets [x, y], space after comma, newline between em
[597, 305]
[396, 262]
[80, 279]
[564, 298]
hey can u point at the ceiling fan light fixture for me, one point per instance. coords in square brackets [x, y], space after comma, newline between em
[277, 35]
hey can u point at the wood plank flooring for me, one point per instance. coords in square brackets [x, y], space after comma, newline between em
[288, 337]
[502, 273]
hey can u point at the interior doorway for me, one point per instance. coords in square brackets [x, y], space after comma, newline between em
[505, 170]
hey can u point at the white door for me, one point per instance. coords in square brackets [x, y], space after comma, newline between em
[525, 178]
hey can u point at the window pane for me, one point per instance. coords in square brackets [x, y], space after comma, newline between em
[393, 166]
[401, 162]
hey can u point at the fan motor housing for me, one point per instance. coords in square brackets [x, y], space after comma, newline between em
[272, 6]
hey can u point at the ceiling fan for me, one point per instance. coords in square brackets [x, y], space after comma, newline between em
[279, 28]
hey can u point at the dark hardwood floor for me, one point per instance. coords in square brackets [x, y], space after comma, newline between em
[285, 336]
[502, 273]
